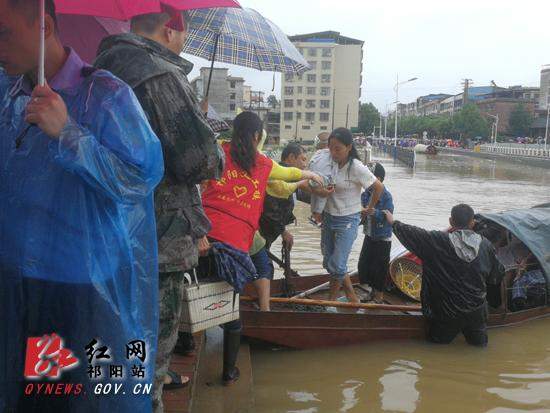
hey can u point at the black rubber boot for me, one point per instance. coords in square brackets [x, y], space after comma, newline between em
[185, 345]
[231, 344]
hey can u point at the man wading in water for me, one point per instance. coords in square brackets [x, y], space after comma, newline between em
[457, 266]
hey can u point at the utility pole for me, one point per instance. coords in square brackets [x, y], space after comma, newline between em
[495, 128]
[296, 128]
[466, 83]
[396, 109]
[380, 125]
[547, 118]
[347, 115]
[386, 122]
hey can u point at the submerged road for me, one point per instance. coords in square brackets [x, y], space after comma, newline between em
[511, 375]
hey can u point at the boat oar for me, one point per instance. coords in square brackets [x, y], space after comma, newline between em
[317, 288]
[327, 303]
[311, 290]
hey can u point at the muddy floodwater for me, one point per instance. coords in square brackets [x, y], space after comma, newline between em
[511, 375]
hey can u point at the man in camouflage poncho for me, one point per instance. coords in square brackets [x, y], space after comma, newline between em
[148, 60]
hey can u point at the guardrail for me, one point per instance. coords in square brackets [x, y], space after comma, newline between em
[407, 156]
[514, 151]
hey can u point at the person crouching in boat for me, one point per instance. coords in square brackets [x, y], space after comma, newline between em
[342, 212]
[374, 259]
[457, 265]
[233, 205]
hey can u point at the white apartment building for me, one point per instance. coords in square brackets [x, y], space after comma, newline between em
[226, 93]
[327, 96]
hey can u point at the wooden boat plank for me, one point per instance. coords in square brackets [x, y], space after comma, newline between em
[303, 329]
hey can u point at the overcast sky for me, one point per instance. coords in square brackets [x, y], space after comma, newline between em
[439, 41]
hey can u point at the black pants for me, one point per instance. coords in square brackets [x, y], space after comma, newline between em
[472, 325]
[374, 263]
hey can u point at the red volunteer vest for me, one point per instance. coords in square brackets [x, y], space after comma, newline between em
[235, 202]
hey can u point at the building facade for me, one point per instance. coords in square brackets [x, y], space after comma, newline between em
[430, 104]
[327, 96]
[247, 92]
[226, 93]
[444, 104]
[503, 107]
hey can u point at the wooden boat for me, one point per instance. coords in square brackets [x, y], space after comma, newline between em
[305, 327]
[431, 150]
[426, 149]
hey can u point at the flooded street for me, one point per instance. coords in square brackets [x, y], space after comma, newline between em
[424, 197]
[511, 375]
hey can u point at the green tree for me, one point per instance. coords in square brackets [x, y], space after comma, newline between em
[520, 120]
[369, 117]
[469, 123]
[272, 101]
[444, 126]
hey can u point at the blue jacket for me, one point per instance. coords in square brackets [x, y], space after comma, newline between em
[381, 228]
[77, 225]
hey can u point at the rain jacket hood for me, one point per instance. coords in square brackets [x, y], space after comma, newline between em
[466, 244]
[145, 51]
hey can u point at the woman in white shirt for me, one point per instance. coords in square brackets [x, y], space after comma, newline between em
[342, 213]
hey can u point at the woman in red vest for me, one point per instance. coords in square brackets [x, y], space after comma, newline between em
[234, 205]
[234, 202]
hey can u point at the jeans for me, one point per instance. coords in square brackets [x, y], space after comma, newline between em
[263, 264]
[337, 237]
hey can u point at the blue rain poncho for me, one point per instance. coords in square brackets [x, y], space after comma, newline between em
[78, 253]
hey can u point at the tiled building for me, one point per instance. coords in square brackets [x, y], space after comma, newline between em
[327, 96]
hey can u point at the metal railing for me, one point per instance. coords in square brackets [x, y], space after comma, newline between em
[407, 156]
[515, 151]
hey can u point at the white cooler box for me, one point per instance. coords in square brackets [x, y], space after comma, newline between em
[208, 304]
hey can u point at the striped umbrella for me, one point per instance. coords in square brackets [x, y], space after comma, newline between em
[241, 37]
[117, 9]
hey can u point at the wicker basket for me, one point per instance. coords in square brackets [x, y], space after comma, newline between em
[407, 276]
[208, 304]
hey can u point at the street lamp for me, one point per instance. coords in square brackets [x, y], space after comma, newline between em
[496, 128]
[547, 117]
[397, 101]
[386, 122]
[296, 128]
